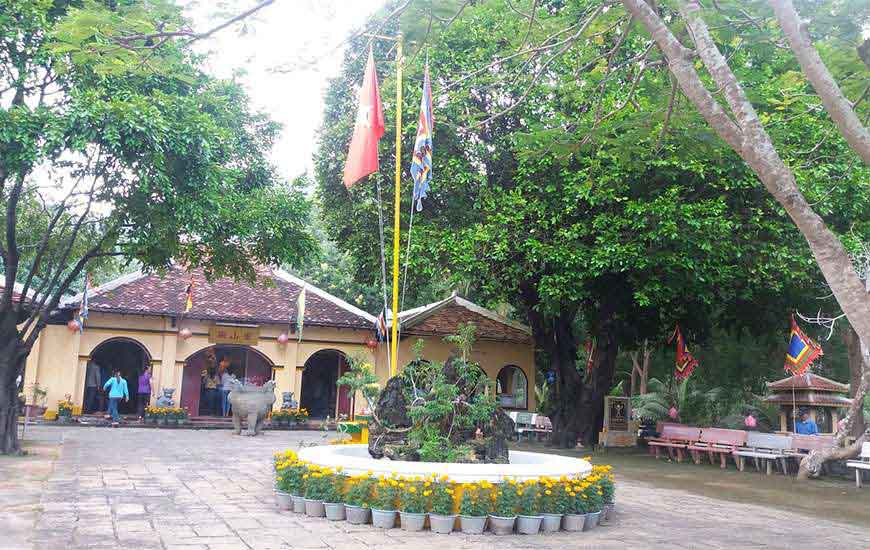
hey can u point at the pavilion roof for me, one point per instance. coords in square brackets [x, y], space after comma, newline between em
[271, 299]
[826, 399]
[808, 381]
[444, 316]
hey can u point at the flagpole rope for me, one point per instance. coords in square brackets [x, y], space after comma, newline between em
[383, 269]
[407, 261]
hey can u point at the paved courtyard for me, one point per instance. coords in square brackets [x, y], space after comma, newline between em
[210, 490]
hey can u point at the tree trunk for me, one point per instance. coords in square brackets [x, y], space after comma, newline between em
[11, 365]
[856, 372]
[590, 411]
[811, 465]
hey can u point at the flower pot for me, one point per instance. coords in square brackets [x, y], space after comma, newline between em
[472, 525]
[501, 525]
[285, 501]
[412, 521]
[298, 504]
[551, 523]
[609, 510]
[384, 519]
[529, 525]
[573, 522]
[314, 508]
[591, 521]
[334, 511]
[441, 524]
[356, 515]
[161, 422]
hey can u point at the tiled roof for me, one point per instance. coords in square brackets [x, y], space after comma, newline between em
[810, 398]
[272, 299]
[808, 381]
[16, 291]
[442, 318]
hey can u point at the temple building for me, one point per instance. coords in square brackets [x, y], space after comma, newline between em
[824, 398]
[140, 319]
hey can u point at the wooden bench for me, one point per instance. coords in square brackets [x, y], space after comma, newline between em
[523, 423]
[675, 438]
[764, 448]
[717, 441]
[861, 463]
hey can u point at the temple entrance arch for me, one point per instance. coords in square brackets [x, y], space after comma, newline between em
[319, 394]
[512, 387]
[126, 355]
[244, 362]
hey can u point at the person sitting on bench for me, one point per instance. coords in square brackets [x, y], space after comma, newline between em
[805, 426]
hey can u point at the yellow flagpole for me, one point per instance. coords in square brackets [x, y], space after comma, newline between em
[397, 209]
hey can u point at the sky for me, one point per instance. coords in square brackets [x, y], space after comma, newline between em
[286, 35]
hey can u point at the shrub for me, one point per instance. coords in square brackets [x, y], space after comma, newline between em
[318, 482]
[386, 494]
[443, 498]
[507, 499]
[577, 502]
[553, 497]
[291, 476]
[359, 490]
[529, 501]
[476, 499]
[414, 497]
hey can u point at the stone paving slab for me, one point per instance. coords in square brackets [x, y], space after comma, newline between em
[212, 490]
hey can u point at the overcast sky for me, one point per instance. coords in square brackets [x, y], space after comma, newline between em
[287, 33]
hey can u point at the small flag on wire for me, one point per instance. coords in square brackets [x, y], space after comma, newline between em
[83, 308]
[590, 353]
[188, 302]
[362, 157]
[802, 351]
[300, 313]
[686, 362]
[381, 327]
[421, 158]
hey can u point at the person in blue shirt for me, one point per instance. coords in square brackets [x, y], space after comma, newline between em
[806, 426]
[117, 387]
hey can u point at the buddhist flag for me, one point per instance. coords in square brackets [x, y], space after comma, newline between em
[300, 313]
[381, 327]
[83, 307]
[802, 351]
[686, 362]
[421, 158]
[362, 158]
[590, 353]
[188, 303]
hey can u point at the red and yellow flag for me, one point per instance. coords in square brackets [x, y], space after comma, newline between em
[362, 157]
[685, 362]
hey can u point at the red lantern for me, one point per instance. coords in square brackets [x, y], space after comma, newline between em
[185, 333]
[750, 421]
[73, 325]
[673, 413]
[372, 344]
[283, 338]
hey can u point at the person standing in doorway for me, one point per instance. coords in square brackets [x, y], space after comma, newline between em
[226, 385]
[211, 381]
[143, 394]
[92, 386]
[117, 387]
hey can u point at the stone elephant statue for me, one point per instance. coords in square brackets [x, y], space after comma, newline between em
[251, 404]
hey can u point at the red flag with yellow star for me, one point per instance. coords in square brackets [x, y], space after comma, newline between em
[362, 157]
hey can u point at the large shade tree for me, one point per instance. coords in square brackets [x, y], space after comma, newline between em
[575, 185]
[114, 144]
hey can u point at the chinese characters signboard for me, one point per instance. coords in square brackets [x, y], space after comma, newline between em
[247, 336]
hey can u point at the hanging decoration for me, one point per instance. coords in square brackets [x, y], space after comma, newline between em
[188, 293]
[590, 353]
[185, 333]
[283, 338]
[421, 158]
[802, 351]
[83, 308]
[685, 362]
[300, 313]
[73, 325]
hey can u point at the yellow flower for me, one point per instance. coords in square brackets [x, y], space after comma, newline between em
[427, 493]
[548, 492]
[411, 489]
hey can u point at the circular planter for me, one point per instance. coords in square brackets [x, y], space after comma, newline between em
[529, 525]
[442, 524]
[591, 520]
[284, 500]
[334, 511]
[412, 521]
[384, 519]
[314, 508]
[551, 523]
[298, 504]
[501, 525]
[356, 515]
[472, 525]
[574, 522]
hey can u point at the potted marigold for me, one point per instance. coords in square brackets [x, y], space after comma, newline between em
[413, 501]
[333, 501]
[529, 518]
[64, 411]
[294, 477]
[608, 489]
[357, 499]
[318, 482]
[577, 505]
[441, 515]
[474, 507]
[593, 496]
[554, 503]
[384, 503]
[282, 463]
[504, 512]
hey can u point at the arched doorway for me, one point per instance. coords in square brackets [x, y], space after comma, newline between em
[512, 387]
[126, 355]
[319, 394]
[244, 362]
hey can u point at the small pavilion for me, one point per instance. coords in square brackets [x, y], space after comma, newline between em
[822, 396]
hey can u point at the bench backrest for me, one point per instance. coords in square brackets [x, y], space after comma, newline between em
[811, 442]
[723, 436]
[680, 432]
[543, 423]
[523, 419]
[865, 450]
[768, 441]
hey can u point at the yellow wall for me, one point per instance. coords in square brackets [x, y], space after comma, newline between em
[58, 360]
